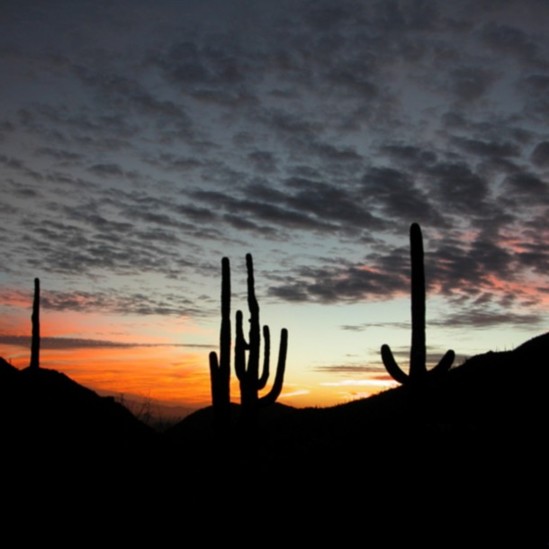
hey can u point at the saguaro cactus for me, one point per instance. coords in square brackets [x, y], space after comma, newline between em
[248, 371]
[418, 369]
[220, 368]
[35, 319]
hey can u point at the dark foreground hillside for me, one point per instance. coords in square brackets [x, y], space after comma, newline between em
[461, 462]
[466, 455]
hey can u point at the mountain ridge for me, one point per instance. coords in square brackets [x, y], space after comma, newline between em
[465, 455]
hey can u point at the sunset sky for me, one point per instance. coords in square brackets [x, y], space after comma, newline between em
[140, 142]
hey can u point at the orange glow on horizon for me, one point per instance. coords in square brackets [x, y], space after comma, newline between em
[174, 376]
[148, 372]
[147, 365]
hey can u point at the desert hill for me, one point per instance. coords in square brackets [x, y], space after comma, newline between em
[45, 411]
[494, 392]
[461, 461]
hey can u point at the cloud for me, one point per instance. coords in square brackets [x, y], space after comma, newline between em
[470, 83]
[19, 166]
[491, 150]
[176, 162]
[196, 65]
[65, 157]
[130, 303]
[342, 207]
[349, 369]
[108, 170]
[331, 124]
[138, 303]
[67, 343]
[525, 188]
[263, 161]
[340, 284]
[533, 89]
[540, 155]
[258, 212]
[459, 270]
[511, 41]
[395, 192]
[412, 156]
[367, 325]
[458, 187]
[361, 383]
[129, 94]
[486, 318]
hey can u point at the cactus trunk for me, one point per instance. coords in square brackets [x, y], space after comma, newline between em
[35, 319]
[418, 353]
[220, 369]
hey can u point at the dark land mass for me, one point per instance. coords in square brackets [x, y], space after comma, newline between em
[461, 461]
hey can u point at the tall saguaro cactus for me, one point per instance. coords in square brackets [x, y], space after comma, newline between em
[220, 368]
[248, 371]
[418, 369]
[35, 319]
[247, 356]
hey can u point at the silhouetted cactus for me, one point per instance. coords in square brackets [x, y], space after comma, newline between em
[35, 319]
[220, 369]
[247, 371]
[418, 369]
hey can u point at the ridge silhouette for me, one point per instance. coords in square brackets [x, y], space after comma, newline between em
[482, 445]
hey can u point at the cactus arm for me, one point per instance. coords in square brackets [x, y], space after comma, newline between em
[266, 358]
[392, 367]
[444, 364]
[214, 365]
[240, 349]
[214, 379]
[276, 389]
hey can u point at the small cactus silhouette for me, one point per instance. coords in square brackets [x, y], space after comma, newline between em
[248, 371]
[35, 319]
[418, 369]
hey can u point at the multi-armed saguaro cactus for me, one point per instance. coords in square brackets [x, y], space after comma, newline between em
[418, 369]
[35, 319]
[220, 369]
[248, 373]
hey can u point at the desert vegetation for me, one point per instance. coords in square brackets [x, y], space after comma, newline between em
[247, 356]
[35, 319]
[418, 369]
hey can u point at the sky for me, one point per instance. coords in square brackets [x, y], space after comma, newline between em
[141, 142]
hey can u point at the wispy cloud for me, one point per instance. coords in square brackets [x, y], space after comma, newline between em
[59, 343]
